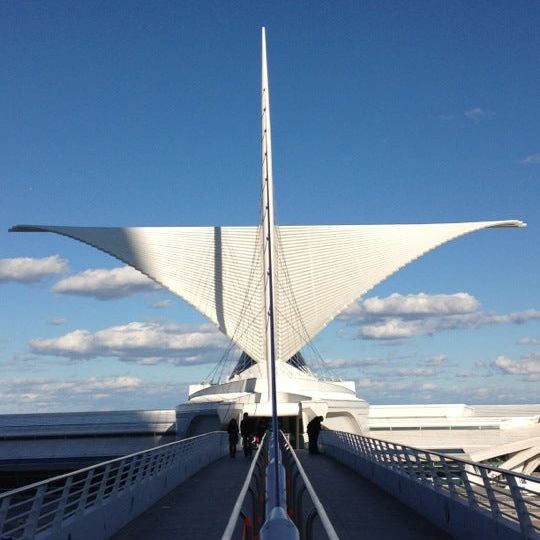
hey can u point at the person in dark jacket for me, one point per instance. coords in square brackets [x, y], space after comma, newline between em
[232, 430]
[313, 430]
[246, 430]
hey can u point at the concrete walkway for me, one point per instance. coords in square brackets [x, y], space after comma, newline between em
[360, 510]
[199, 508]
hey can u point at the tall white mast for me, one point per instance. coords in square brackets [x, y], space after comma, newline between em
[268, 225]
[269, 262]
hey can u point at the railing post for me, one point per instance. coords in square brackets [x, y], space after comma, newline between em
[468, 486]
[389, 454]
[492, 498]
[432, 470]
[103, 485]
[118, 478]
[84, 492]
[419, 471]
[372, 449]
[394, 458]
[33, 517]
[364, 447]
[3, 512]
[132, 463]
[379, 452]
[143, 465]
[410, 466]
[449, 481]
[59, 514]
[523, 516]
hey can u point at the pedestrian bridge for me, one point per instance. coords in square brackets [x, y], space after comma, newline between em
[358, 487]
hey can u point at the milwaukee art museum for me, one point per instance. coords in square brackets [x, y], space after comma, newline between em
[271, 288]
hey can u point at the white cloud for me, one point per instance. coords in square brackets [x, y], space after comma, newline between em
[529, 341]
[436, 360]
[532, 159]
[142, 342]
[106, 284]
[338, 363]
[382, 384]
[88, 394]
[392, 329]
[56, 321]
[420, 304]
[30, 270]
[34, 389]
[414, 372]
[161, 304]
[378, 390]
[368, 382]
[398, 316]
[477, 113]
[468, 374]
[518, 317]
[529, 367]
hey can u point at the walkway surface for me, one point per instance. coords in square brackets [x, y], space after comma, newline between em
[359, 509]
[200, 507]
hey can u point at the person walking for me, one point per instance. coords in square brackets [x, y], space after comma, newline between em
[246, 430]
[313, 430]
[232, 430]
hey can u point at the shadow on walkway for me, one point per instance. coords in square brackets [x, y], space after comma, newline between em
[198, 508]
[358, 509]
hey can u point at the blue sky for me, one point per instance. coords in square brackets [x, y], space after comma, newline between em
[147, 113]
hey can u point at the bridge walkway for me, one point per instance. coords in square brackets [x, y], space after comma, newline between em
[198, 508]
[359, 509]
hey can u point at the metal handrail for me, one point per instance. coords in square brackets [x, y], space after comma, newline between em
[42, 506]
[505, 495]
[253, 521]
[296, 494]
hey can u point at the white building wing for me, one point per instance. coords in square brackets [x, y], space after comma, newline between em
[321, 270]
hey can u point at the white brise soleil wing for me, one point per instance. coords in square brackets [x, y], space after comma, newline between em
[218, 270]
[323, 269]
[320, 270]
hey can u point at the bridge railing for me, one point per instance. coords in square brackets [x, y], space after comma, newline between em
[300, 500]
[67, 503]
[303, 504]
[248, 511]
[506, 497]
